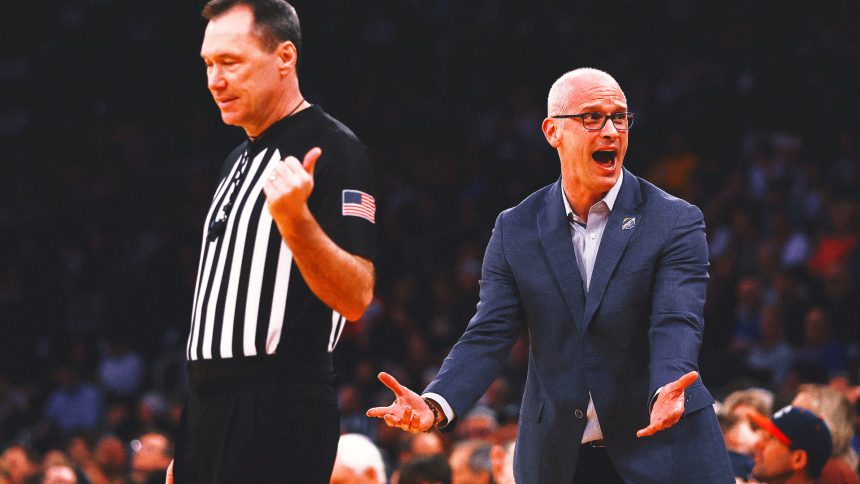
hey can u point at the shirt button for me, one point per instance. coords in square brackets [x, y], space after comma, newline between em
[578, 413]
[592, 236]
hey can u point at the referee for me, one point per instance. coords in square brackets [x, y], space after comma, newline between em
[286, 260]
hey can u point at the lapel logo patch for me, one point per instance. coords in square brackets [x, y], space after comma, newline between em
[628, 223]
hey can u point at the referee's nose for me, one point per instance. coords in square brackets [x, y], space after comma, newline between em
[215, 78]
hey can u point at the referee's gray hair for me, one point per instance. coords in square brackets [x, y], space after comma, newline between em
[275, 21]
[358, 452]
[561, 90]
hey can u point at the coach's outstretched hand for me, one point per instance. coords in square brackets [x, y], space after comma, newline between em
[408, 412]
[669, 407]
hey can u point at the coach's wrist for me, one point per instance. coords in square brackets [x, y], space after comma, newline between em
[439, 418]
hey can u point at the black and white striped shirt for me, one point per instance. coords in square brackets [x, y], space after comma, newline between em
[250, 298]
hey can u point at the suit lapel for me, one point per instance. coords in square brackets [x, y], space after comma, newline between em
[555, 236]
[617, 233]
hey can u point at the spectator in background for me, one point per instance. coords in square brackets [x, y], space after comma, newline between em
[74, 405]
[470, 462]
[13, 407]
[121, 370]
[358, 461]
[839, 416]
[59, 474]
[843, 305]
[837, 245]
[793, 245]
[822, 356]
[741, 402]
[111, 455]
[771, 358]
[793, 448]
[430, 469]
[747, 323]
[740, 439]
[57, 468]
[479, 423]
[19, 463]
[502, 460]
[151, 454]
[419, 445]
[352, 417]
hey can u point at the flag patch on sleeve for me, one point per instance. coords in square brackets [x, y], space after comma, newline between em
[359, 204]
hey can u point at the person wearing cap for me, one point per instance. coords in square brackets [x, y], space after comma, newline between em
[794, 446]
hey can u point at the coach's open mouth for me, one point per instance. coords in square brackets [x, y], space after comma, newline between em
[605, 158]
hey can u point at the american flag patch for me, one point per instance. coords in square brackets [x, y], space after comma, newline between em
[359, 204]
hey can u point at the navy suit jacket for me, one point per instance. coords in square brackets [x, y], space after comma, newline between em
[637, 328]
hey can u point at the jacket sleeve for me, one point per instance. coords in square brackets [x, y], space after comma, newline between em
[476, 359]
[676, 321]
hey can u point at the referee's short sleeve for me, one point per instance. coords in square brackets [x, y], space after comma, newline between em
[343, 174]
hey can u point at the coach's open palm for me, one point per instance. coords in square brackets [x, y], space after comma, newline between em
[408, 412]
[669, 407]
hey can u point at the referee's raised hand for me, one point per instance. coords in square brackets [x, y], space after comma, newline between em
[289, 185]
[408, 412]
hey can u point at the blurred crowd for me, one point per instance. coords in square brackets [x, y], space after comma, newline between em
[110, 146]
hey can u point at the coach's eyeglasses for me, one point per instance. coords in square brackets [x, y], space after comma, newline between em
[596, 121]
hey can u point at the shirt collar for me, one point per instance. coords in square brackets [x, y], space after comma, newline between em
[609, 198]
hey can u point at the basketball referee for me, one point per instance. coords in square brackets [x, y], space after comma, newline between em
[286, 260]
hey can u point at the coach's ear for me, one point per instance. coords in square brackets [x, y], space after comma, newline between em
[552, 131]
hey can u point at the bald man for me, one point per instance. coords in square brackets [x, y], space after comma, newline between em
[358, 461]
[608, 274]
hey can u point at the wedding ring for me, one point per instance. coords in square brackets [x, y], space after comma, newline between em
[273, 177]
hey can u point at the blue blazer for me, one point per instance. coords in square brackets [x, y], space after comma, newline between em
[637, 328]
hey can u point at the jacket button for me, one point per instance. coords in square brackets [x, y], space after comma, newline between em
[578, 413]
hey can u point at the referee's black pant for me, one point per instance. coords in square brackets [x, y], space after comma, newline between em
[253, 420]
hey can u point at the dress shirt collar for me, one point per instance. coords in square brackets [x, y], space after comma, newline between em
[609, 198]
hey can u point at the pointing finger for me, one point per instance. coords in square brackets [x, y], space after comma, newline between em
[391, 383]
[311, 158]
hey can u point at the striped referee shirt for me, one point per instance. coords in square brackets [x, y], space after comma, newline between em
[250, 298]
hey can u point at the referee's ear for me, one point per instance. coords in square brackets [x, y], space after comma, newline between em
[288, 58]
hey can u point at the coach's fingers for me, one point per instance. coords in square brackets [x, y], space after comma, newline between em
[392, 420]
[169, 477]
[407, 417]
[379, 412]
[649, 430]
[685, 381]
[391, 383]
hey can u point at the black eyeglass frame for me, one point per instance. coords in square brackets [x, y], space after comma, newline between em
[619, 116]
